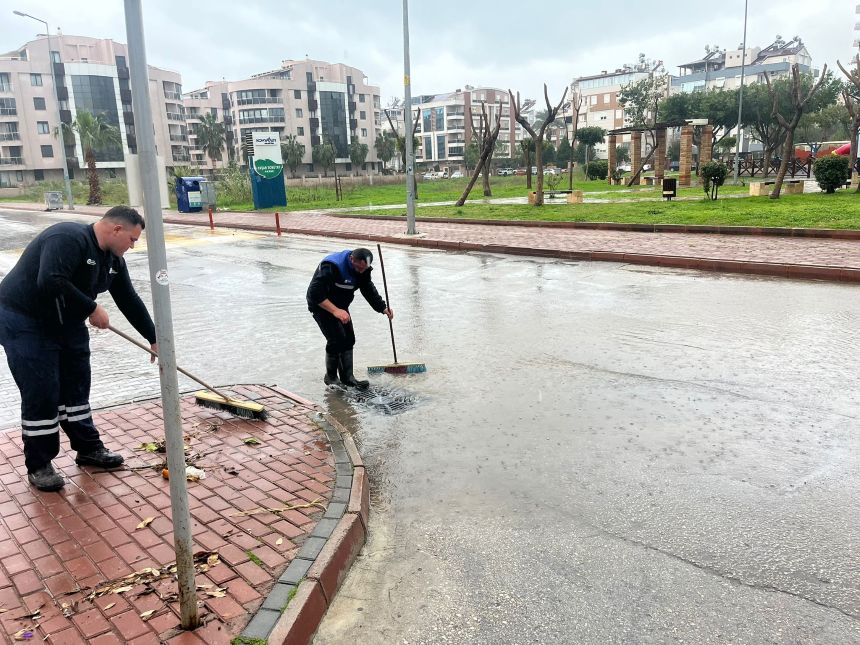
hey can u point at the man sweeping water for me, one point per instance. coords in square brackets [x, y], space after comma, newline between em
[44, 301]
[330, 293]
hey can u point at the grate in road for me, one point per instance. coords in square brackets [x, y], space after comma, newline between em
[380, 398]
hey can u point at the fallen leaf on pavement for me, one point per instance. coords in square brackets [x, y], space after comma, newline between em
[251, 441]
[23, 634]
[147, 614]
[108, 606]
[145, 523]
[279, 541]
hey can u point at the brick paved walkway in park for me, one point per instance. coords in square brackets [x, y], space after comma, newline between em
[787, 254]
[65, 557]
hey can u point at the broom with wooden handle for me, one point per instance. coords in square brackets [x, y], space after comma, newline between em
[216, 399]
[395, 367]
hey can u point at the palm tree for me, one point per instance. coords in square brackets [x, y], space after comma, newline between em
[385, 148]
[293, 151]
[95, 133]
[357, 154]
[210, 137]
[323, 155]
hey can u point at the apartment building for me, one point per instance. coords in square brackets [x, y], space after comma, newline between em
[312, 100]
[600, 94]
[92, 74]
[443, 123]
[721, 69]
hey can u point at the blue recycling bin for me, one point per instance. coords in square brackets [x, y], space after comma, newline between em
[189, 199]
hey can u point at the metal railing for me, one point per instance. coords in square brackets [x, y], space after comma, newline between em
[244, 120]
[10, 136]
[174, 96]
[11, 161]
[178, 137]
[259, 100]
[180, 157]
[173, 116]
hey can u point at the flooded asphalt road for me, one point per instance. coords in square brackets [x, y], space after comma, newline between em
[600, 453]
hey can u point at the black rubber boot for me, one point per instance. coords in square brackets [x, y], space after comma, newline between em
[331, 364]
[102, 457]
[46, 479]
[346, 375]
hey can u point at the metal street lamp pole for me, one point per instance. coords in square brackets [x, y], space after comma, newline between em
[59, 119]
[741, 97]
[407, 123]
[138, 71]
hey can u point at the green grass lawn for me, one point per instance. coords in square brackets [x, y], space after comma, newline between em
[816, 210]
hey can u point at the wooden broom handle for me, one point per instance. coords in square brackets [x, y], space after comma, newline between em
[178, 369]
[387, 302]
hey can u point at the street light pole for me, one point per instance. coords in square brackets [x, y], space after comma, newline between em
[159, 280]
[407, 123]
[59, 118]
[741, 96]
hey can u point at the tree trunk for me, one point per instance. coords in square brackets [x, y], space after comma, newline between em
[539, 164]
[95, 196]
[486, 174]
[528, 169]
[787, 149]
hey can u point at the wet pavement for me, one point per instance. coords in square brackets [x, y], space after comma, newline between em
[599, 452]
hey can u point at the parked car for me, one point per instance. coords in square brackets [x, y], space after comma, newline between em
[551, 171]
[503, 172]
[520, 171]
[456, 175]
[432, 174]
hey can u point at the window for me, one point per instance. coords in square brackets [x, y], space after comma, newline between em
[39, 174]
[39, 102]
[120, 61]
[55, 56]
[300, 131]
[47, 152]
[440, 146]
[361, 98]
[7, 107]
[297, 94]
[299, 113]
[428, 147]
[440, 120]
[606, 98]
[42, 127]
[5, 85]
[364, 132]
[362, 115]
[36, 80]
[426, 118]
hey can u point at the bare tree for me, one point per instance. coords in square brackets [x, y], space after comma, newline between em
[401, 142]
[487, 138]
[852, 104]
[538, 136]
[575, 106]
[798, 103]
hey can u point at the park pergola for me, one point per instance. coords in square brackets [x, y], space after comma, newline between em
[659, 151]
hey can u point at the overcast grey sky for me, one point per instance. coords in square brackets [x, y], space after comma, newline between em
[498, 43]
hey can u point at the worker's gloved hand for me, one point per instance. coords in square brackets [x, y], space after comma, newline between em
[99, 318]
[389, 312]
[342, 315]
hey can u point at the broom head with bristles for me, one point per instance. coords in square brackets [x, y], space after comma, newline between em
[246, 409]
[397, 368]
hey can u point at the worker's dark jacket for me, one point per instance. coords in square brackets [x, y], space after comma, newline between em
[336, 281]
[59, 275]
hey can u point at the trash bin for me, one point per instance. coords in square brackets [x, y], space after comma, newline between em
[53, 201]
[670, 188]
[188, 195]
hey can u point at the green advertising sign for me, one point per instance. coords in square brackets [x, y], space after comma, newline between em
[268, 161]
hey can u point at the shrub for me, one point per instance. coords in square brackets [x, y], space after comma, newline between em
[597, 169]
[831, 172]
[714, 174]
[233, 187]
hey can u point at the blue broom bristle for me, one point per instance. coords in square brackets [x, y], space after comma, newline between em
[398, 368]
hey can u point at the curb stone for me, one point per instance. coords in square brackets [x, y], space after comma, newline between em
[296, 605]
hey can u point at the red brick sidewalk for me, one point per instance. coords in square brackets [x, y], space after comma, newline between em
[270, 487]
[786, 256]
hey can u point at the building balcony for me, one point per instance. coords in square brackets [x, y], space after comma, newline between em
[260, 119]
[315, 140]
[123, 72]
[125, 97]
[5, 87]
[312, 87]
[8, 111]
[62, 93]
[456, 126]
[353, 124]
[11, 161]
[351, 106]
[175, 116]
[260, 100]
[178, 137]
[66, 116]
[313, 105]
[181, 157]
[59, 70]
[315, 123]
[10, 136]
[172, 96]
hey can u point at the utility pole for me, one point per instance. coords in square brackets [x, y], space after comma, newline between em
[139, 72]
[68, 183]
[407, 123]
[741, 97]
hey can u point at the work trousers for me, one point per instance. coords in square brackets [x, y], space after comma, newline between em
[52, 371]
[339, 337]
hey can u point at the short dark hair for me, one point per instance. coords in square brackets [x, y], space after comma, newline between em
[127, 215]
[362, 254]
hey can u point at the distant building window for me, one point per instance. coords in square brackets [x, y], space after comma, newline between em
[5, 86]
[362, 115]
[42, 127]
[364, 132]
[36, 80]
[299, 113]
[120, 61]
[39, 174]
[361, 98]
[297, 94]
[47, 152]
[300, 131]
[38, 102]
[55, 57]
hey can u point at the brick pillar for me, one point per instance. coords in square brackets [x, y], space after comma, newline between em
[660, 156]
[686, 155]
[612, 158]
[636, 154]
[706, 153]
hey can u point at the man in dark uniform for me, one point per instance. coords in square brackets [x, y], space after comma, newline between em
[330, 293]
[44, 301]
